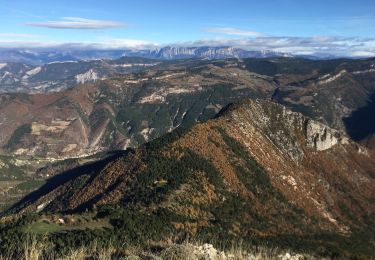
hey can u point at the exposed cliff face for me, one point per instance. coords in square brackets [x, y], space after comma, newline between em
[289, 131]
[177, 52]
[89, 76]
[322, 137]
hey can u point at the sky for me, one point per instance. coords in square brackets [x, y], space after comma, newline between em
[343, 27]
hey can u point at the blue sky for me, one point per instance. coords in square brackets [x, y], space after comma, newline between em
[285, 25]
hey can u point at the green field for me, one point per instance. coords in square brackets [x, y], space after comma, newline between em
[47, 224]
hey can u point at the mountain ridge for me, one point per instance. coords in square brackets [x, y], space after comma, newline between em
[268, 124]
[255, 171]
[38, 57]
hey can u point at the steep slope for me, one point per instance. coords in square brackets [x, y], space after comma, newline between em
[258, 171]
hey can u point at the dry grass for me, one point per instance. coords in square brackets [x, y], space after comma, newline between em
[188, 250]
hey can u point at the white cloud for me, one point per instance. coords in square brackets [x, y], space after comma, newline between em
[360, 54]
[233, 31]
[127, 43]
[18, 35]
[78, 23]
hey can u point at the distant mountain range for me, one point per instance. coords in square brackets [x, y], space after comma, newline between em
[170, 53]
[41, 56]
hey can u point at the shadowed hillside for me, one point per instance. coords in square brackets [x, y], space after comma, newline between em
[360, 124]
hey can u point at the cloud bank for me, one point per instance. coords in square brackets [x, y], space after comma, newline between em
[78, 23]
[318, 45]
[322, 46]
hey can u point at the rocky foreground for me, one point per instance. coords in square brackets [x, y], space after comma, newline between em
[187, 250]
